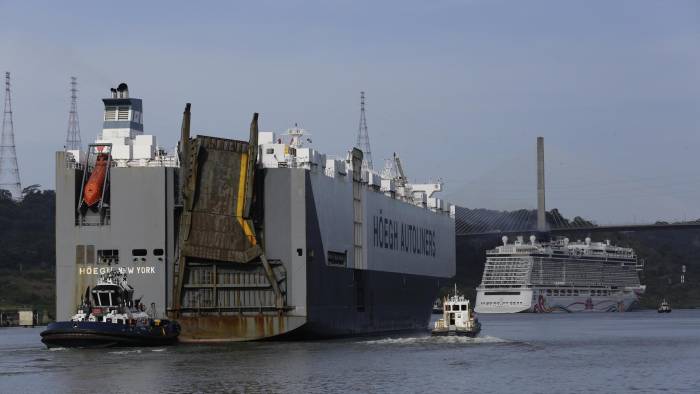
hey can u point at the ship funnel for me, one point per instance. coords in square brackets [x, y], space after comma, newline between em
[533, 239]
[588, 240]
[505, 240]
[123, 90]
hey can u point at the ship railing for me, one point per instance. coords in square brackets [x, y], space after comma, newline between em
[160, 161]
[94, 220]
[163, 161]
[74, 165]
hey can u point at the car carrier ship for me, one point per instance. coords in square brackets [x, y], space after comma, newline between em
[245, 240]
[559, 276]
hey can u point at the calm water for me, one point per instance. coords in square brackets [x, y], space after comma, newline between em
[567, 353]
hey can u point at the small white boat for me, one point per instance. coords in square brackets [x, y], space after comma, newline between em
[457, 318]
[665, 307]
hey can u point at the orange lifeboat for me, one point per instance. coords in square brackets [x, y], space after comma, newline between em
[93, 188]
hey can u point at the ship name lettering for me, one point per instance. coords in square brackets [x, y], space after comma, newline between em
[403, 237]
[123, 270]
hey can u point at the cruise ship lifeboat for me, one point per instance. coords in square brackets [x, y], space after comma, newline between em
[92, 193]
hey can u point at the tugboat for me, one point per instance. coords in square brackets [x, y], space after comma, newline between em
[665, 307]
[111, 318]
[458, 318]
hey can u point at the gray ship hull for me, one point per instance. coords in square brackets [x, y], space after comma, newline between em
[136, 236]
[345, 301]
[303, 223]
[394, 302]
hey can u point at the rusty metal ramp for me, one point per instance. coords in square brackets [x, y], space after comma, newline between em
[213, 225]
[224, 289]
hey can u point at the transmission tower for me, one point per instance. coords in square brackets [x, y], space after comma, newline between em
[363, 136]
[9, 171]
[73, 135]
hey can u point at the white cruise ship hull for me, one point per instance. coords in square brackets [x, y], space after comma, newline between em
[503, 301]
[559, 276]
[531, 301]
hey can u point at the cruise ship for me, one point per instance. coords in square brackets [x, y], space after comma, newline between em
[249, 239]
[559, 276]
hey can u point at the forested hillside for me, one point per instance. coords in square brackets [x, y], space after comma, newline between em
[27, 249]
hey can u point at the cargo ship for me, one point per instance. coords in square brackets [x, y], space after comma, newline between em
[250, 239]
[559, 276]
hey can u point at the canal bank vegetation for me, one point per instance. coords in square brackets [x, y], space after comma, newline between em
[27, 250]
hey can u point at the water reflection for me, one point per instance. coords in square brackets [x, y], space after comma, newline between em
[523, 353]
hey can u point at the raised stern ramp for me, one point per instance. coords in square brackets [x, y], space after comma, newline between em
[224, 289]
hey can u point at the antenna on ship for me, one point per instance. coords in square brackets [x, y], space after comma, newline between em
[73, 135]
[9, 170]
[363, 136]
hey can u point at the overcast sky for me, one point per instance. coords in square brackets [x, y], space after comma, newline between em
[459, 89]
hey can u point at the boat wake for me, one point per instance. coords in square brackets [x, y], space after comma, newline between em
[126, 351]
[426, 340]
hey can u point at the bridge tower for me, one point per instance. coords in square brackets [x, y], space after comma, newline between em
[363, 136]
[9, 171]
[541, 217]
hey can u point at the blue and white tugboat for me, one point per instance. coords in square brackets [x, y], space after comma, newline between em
[458, 319]
[111, 318]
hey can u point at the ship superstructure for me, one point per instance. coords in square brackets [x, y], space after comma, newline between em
[115, 209]
[244, 240]
[559, 276]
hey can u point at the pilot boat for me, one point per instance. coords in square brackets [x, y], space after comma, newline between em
[458, 318]
[109, 316]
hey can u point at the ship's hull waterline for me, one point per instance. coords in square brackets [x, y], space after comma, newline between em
[69, 334]
[332, 313]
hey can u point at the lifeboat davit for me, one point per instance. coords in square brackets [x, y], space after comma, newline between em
[93, 188]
